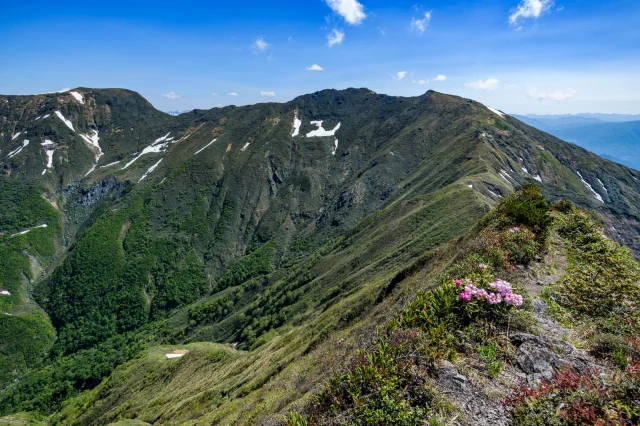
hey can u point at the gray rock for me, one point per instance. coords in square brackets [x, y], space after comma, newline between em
[460, 378]
[540, 357]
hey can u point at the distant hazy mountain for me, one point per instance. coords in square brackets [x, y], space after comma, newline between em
[613, 136]
[175, 113]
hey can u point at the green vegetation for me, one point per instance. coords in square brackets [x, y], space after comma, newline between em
[598, 294]
[45, 389]
[210, 312]
[25, 331]
[393, 381]
[255, 264]
[600, 291]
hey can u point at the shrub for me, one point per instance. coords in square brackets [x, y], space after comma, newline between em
[579, 398]
[602, 283]
[528, 207]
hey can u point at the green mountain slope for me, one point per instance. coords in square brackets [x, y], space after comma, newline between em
[247, 226]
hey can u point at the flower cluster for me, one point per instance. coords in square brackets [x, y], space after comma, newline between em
[515, 229]
[504, 294]
[482, 266]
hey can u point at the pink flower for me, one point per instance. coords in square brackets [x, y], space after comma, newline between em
[465, 296]
[458, 282]
[482, 266]
[514, 230]
[501, 286]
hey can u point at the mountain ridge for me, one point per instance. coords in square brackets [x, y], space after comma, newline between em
[237, 224]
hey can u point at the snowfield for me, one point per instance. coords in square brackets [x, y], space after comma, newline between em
[320, 131]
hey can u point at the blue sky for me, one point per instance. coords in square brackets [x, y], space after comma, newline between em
[521, 56]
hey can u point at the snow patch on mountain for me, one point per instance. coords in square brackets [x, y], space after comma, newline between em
[154, 148]
[501, 114]
[64, 120]
[296, 125]
[78, 97]
[598, 196]
[246, 145]
[335, 147]
[93, 141]
[29, 230]
[204, 147]
[320, 131]
[50, 158]
[162, 139]
[151, 169]
[16, 136]
[19, 149]
[538, 178]
[603, 187]
[111, 164]
[507, 177]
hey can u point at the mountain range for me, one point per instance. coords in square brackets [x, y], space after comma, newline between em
[248, 235]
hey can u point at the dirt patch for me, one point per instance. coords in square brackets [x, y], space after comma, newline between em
[124, 230]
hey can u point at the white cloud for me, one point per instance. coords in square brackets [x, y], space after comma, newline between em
[420, 25]
[557, 95]
[439, 77]
[350, 10]
[383, 31]
[215, 94]
[488, 84]
[335, 37]
[268, 94]
[315, 67]
[530, 9]
[232, 94]
[400, 75]
[260, 45]
[171, 95]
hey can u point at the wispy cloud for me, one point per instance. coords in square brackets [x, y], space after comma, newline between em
[171, 95]
[259, 45]
[421, 25]
[268, 94]
[232, 94]
[335, 37]
[557, 95]
[488, 84]
[315, 67]
[529, 9]
[400, 75]
[351, 10]
[215, 94]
